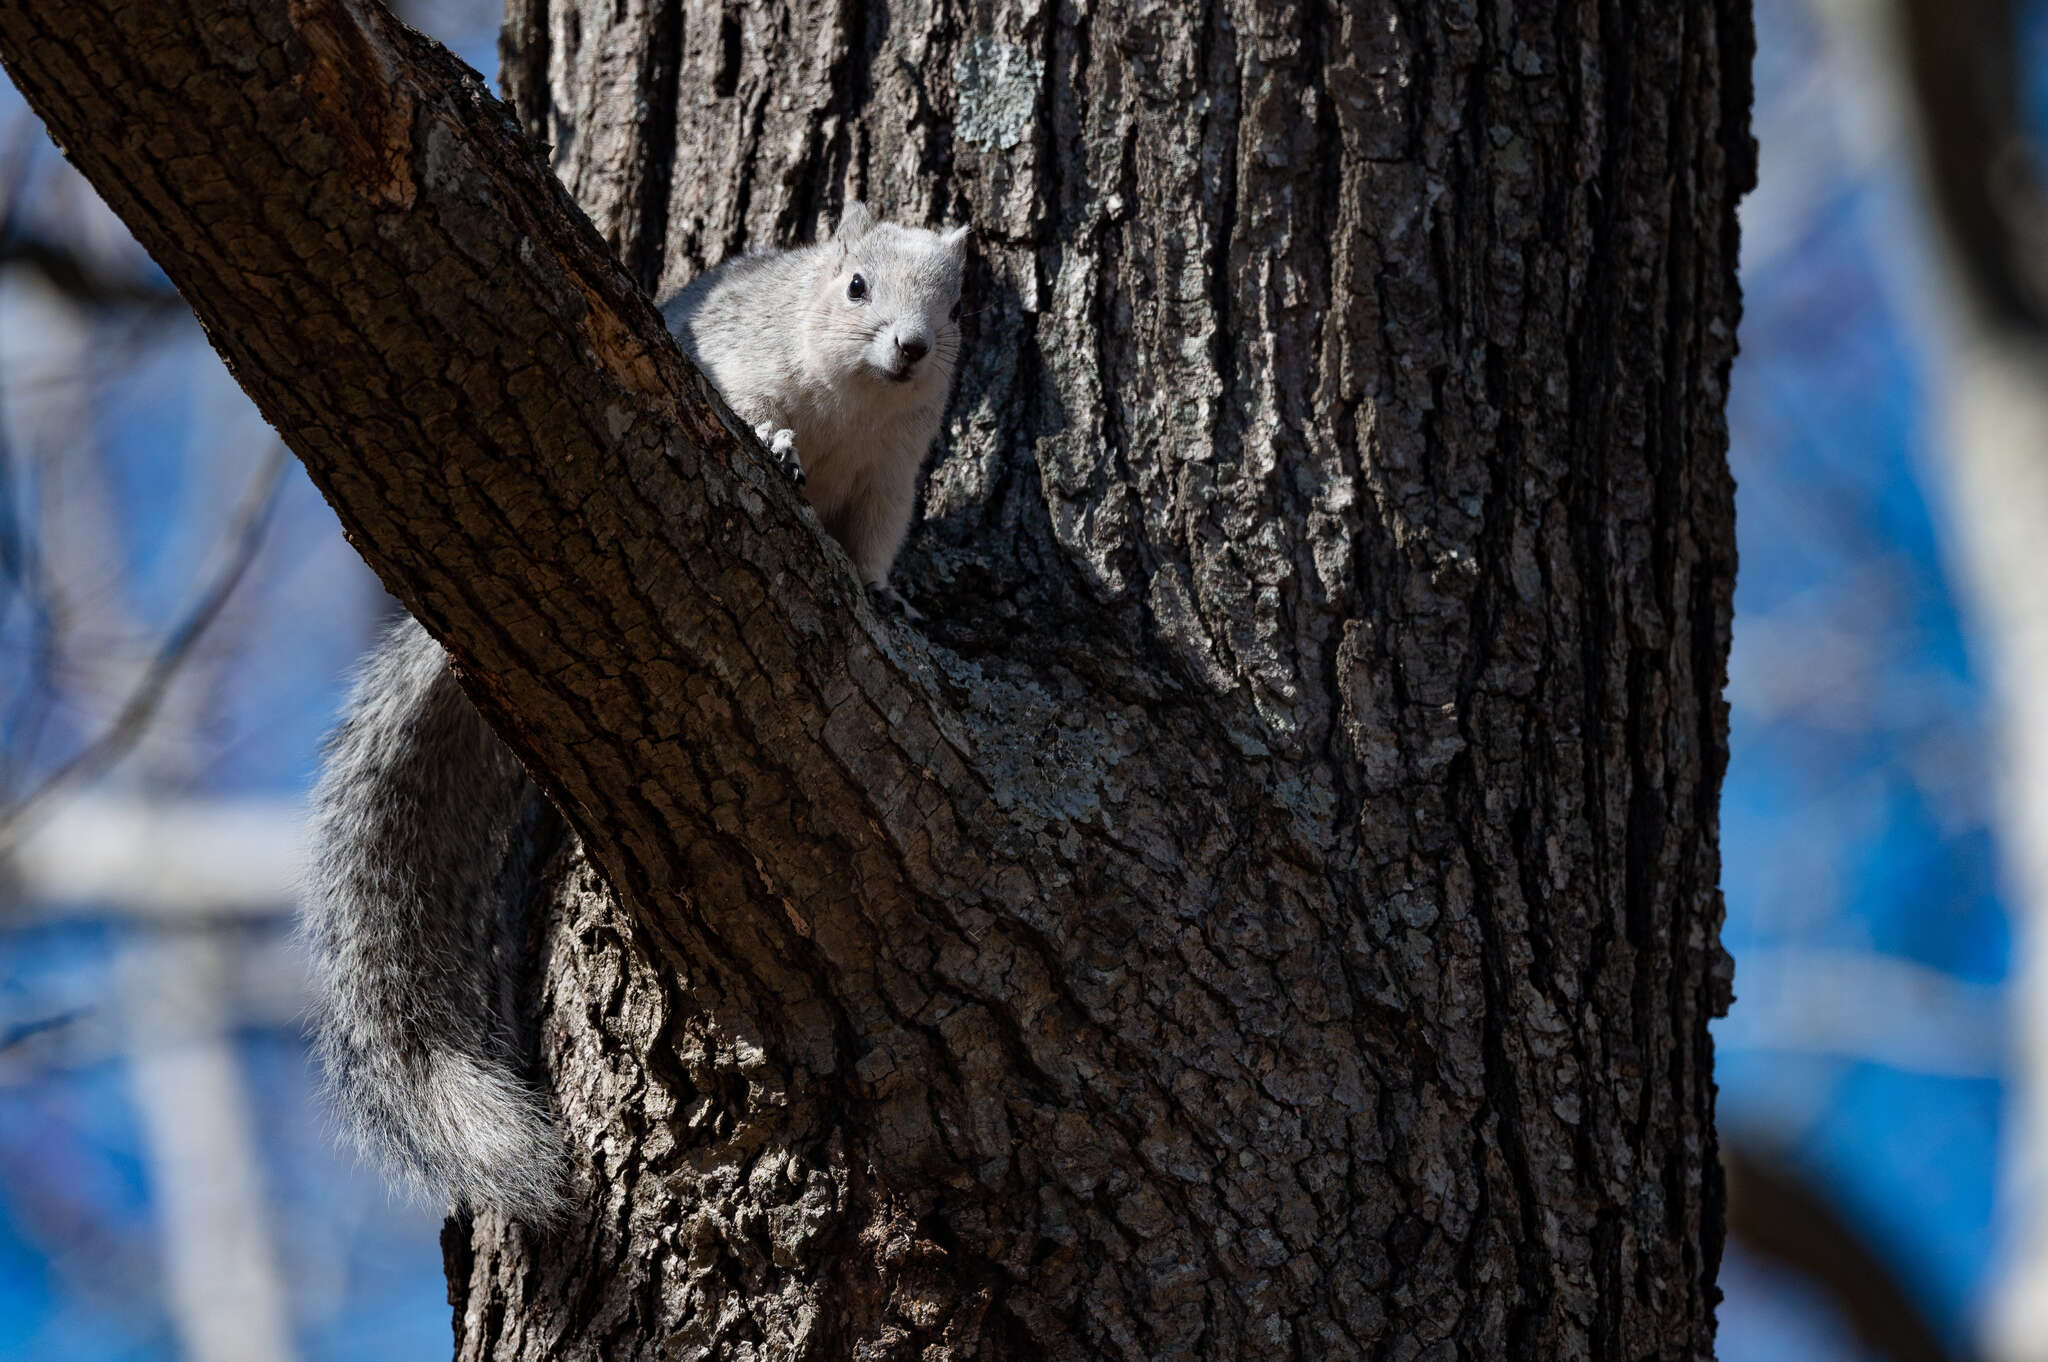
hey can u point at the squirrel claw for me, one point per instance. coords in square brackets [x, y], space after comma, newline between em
[782, 444]
[887, 597]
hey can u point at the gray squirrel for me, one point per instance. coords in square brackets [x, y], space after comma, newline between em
[425, 828]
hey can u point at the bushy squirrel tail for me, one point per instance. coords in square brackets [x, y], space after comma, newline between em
[425, 832]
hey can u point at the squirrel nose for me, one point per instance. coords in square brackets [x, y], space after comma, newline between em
[913, 348]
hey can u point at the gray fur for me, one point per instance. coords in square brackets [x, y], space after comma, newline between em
[418, 854]
[425, 826]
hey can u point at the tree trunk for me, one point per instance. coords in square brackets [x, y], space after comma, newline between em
[1270, 910]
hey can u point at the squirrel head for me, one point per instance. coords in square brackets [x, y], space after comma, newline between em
[888, 308]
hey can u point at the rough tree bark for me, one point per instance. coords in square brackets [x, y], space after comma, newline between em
[1271, 911]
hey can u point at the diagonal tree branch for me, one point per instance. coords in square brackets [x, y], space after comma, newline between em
[777, 790]
[510, 437]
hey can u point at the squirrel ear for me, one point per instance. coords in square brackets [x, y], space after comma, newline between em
[955, 241]
[854, 222]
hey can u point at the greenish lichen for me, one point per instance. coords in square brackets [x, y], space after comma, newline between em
[998, 84]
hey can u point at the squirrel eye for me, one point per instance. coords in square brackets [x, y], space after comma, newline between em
[857, 289]
[955, 313]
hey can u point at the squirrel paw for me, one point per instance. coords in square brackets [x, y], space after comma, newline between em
[782, 444]
[887, 597]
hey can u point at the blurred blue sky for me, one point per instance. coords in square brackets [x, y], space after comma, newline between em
[1856, 815]
[1856, 818]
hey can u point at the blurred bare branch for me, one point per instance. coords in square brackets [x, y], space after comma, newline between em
[1951, 68]
[1981, 171]
[80, 278]
[244, 536]
[1871, 1008]
[77, 275]
[159, 859]
[219, 1252]
[22, 575]
[1778, 1214]
[21, 1031]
